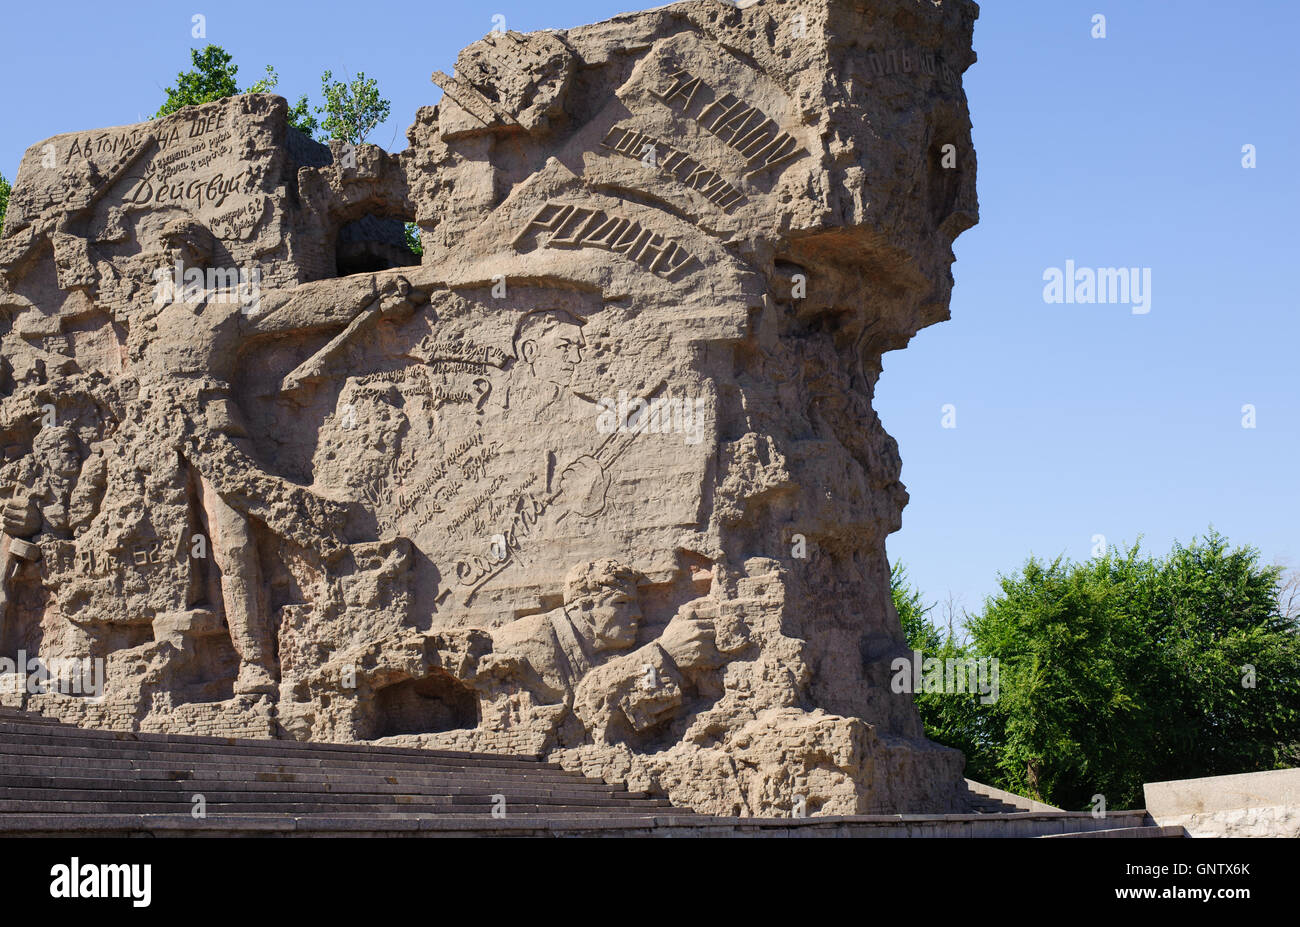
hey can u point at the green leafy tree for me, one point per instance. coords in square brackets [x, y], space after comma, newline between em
[1128, 669]
[4, 201]
[913, 613]
[212, 78]
[1066, 715]
[300, 116]
[953, 719]
[412, 234]
[352, 109]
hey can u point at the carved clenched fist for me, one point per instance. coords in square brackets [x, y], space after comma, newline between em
[20, 516]
[691, 642]
[397, 299]
[583, 484]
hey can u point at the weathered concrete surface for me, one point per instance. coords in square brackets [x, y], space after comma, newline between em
[1264, 804]
[598, 479]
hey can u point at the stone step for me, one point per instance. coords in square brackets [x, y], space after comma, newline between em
[51, 806]
[262, 777]
[265, 799]
[979, 798]
[62, 757]
[387, 824]
[232, 767]
[49, 728]
[29, 786]
[994, 807]
[72, 746]
[51, 771]
[356, 825]
[18, 714]
[1127, 832]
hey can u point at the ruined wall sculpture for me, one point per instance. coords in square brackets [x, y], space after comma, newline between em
[598, 478]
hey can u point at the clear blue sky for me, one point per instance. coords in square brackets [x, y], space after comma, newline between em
[1072, 420]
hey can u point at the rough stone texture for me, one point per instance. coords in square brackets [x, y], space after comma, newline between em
[352, 501]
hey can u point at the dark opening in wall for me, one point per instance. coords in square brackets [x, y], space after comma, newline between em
[207, 668]
[433, 703]
[372, 244]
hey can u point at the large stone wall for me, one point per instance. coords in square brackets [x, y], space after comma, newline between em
[596, 478]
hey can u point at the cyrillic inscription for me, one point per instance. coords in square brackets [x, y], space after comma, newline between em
[745, 128]
[675, 162]
[584, 227]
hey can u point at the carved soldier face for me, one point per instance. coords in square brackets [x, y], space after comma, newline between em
[551, 343]
[59, 451]
[613, 615]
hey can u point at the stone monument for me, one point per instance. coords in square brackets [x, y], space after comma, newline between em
[596, 478]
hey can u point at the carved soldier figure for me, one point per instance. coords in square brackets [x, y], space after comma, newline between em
[547, 655]
[37, 497]
[185, 357]
[579, 656]
[549, 347]
[640, 690]
[21, 520]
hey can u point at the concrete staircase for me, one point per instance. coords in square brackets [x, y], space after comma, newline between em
[56, 779]
[1145, 830]
[985, 799]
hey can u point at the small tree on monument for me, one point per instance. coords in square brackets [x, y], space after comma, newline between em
[351, 112]
[300, 116]
[353, 109]
[4, 202]
[213, 78]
